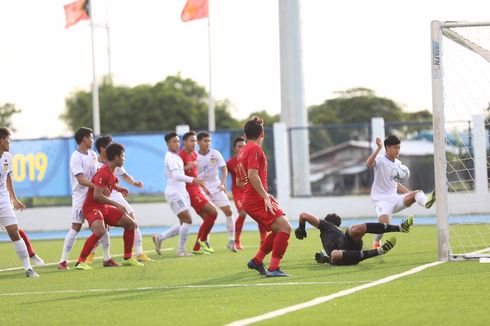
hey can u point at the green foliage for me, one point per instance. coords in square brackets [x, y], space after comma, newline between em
[355, 105]
[7, 111]
[158, 107]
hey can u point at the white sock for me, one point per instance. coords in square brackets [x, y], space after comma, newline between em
[421, 198]
[105, 241]
[230, 227]
[183, 234]
[70, 238]
[377, 237]
[138, 242]
[21, 250]
[172, 232]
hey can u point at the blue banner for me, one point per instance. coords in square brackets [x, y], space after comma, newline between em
[41, 167]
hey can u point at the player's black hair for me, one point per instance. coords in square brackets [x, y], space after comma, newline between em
[236, 140]
[4, 132]
[188, 134]
[82, 133]
[253, 128]
[392, 140]
[170, 135]
[114, 150]
[334, 219]
[202, 135]
[103, 141]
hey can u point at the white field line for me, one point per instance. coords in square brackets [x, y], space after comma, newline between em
[73, 261]
[319, 300]
[171, 287]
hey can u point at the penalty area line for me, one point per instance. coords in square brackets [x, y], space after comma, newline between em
[319, 300]
[173, 287]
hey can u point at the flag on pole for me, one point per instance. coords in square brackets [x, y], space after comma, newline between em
[76, 11]
[194, 9]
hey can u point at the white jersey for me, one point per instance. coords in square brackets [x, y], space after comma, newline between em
[384, 186]
[85, 164]
[174, 171]
[4, 172]
[208, 166]
[119, 171]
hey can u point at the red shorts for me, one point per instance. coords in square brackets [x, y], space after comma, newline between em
[237, 198]
[256, 209]
[198, 200]
[107, 213]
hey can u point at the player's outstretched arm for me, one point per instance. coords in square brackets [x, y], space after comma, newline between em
[130, 180]
[300, 232]
[372, 158]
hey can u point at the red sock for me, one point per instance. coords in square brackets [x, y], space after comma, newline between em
[279, 248]
[88, 247]
[263, 233]
[238, 227]
[265, 248]
[24, 237]
[196, 245]
[207, 225]
[128, 237]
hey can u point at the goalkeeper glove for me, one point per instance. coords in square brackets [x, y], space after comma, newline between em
[300, 233]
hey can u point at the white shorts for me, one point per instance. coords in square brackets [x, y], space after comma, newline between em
[178, 202]
[77, 215]
[7, 216]
[220, 199]
[119, 198]
[390, 206]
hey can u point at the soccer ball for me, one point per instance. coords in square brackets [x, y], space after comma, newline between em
[400, 173]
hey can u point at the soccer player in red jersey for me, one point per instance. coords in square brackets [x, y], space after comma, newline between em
[258, 203]
[99, 210]
[236, 191]
[199, 202]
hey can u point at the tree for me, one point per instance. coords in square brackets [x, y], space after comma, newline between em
[173, 101]
[355, 105]
[6, 113]
[269, 120]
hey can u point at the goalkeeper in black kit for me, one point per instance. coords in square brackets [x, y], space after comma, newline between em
[345, 248]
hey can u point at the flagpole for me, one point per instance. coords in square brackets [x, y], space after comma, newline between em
[211, 108]
[95, 88]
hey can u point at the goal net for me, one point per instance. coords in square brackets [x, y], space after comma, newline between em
[461, 111]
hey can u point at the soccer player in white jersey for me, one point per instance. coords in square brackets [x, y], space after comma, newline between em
[388, 195]
[83, 165]
[101, 145]
[8, 220]
[177, 196]
[209, 163]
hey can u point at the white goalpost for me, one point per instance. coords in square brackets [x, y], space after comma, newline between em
[461, 112]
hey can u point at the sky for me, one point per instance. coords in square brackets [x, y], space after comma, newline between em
[383, 45]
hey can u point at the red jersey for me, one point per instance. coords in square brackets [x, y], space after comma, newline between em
[231, 166]
[191, 172]
[251, 156]
[103, 178]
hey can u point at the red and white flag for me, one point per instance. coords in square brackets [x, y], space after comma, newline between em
[194, 9]
[76, 12]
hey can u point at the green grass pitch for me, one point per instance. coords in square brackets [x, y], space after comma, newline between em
[218, 289]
